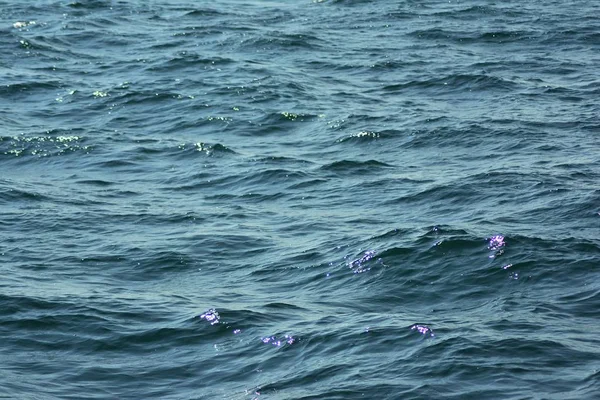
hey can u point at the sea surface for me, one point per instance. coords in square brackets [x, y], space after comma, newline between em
[272, 200]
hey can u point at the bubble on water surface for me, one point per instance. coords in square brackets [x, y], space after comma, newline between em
[362, 264]
[423, 330]
[496, 245]
[211, 316]
[23, 24]
[279, 341]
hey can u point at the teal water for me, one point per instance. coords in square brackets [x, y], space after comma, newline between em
[299, 200]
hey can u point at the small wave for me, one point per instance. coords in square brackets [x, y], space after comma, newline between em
[89, 4]
[355, 167]
[30, 88]
[127, 98]
[185, 60]
[283, 160]
[470, 38]
[12, 194]
[346, 2]
[480, 11]
[360, 137]
[285, 42]
[278, 123]
[455, 83]
[207, 149]
[205, 12]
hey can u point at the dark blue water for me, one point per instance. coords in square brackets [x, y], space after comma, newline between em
[336, 199]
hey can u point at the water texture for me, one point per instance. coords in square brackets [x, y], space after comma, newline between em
[337, 199]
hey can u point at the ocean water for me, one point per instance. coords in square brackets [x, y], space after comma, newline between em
[343, 199]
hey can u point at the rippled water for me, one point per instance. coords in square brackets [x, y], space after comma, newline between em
[299, 200]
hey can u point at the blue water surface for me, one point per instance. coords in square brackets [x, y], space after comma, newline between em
[328, 199]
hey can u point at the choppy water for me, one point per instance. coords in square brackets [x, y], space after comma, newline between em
[299, 200]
